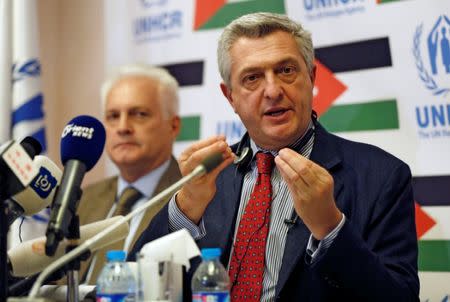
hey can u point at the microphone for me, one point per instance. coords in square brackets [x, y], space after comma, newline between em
[29, 258]
[16, 165]
[289, 222]
[82, 143]
[206, 166]
[39, 193]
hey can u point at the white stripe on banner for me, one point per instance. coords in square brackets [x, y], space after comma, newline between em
[440, 231]
[5, 69]
[434, 286]
[27, 102]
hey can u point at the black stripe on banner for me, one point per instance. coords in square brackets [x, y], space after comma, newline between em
[356, 55]
[187, 74]
[432, 190]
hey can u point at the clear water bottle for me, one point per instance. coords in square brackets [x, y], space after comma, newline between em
[116, 282]
[210, 281]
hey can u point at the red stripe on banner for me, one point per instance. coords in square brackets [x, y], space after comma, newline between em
[423, 221]
[327, 88]
[205, 9]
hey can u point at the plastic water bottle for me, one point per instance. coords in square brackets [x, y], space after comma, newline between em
[116, 281]
[210, 282]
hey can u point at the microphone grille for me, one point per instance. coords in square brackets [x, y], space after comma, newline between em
[212, 161]
[31, 145]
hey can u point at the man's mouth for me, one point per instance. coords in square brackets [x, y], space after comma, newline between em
[276, 112]
[125, 144]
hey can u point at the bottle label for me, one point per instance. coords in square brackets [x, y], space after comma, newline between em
[114, 298]
[211, 297]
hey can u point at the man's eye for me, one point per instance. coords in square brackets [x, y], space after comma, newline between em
[288, 69]
[141, 114]
[112, 116]
[251, 78]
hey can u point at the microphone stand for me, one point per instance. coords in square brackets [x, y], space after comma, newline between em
[207, 165]
[73, 266]
[3, 244]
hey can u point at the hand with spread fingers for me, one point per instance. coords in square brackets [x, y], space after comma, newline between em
[195, 196]
[312, 189]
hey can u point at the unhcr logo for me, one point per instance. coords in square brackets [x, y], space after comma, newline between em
[153, 3]
[78, 131]
[437, 54]
[318, 9]
[431, 53]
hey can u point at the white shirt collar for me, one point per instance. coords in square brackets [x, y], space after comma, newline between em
[147, 183]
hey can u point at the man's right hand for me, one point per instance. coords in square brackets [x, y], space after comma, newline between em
[195, 196]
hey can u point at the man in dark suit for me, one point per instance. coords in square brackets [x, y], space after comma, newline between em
[140, 105]
[339, 225]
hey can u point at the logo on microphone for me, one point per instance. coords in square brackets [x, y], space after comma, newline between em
[44, 183]
[78, 131]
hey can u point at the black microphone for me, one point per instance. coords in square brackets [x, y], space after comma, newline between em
[82, 143]
[291, 221]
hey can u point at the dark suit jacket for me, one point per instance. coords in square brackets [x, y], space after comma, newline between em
[98, 198]
[374, 257]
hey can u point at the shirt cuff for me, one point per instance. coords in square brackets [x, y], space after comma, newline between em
[178, 221]
[316, 247]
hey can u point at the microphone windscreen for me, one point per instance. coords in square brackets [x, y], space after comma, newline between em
[29, 258]
[39, 193]
[31, 146]
[83, 139]
[212, 161]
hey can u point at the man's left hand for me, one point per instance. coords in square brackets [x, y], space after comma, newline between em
[311, 187]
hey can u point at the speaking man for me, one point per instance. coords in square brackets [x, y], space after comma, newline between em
[309, 216]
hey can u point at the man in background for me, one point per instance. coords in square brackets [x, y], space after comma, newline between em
[309, 216]
[140, 107]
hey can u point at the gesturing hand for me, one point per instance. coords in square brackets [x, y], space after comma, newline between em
[195, 196]
[311, 187]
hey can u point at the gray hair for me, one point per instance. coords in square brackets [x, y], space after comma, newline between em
[168, 85]
[258, 25]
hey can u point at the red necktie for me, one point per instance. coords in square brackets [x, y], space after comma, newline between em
[247, 261]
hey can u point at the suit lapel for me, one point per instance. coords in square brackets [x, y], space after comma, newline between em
[95, 211]
[220, 215]
[169, 177]
[296, 241]
[325, 153]
[91, 210]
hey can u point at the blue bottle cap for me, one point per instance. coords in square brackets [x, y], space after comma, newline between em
[211, 253]
[116, 255]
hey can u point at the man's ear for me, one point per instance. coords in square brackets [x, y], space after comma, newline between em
[227, 93]
[313, 74]
[176, 125]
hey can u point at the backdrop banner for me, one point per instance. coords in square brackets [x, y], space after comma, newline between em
[383, 78]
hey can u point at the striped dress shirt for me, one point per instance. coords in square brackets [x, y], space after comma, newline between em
[282, 209]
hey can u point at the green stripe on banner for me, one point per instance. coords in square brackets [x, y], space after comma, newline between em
[387, 1]
[190, 128]
[434, 255]
[234, 10]
[376, 115]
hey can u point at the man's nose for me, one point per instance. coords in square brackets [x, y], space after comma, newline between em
[273, 89]
[124, 125]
